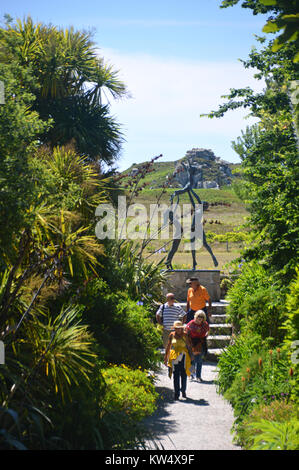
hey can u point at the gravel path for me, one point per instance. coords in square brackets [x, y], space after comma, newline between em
[202, 421]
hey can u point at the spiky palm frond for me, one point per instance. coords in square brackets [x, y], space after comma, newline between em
[68, 167]
[63, 349]
[21, 41]
[141, 277]
[91, 127]
[63, 238]
[68, 61]
[105, 80]
[70, 80]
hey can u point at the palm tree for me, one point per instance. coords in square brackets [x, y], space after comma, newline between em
[72, 80]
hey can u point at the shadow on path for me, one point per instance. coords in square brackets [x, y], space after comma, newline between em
[200, 402]
[162, 422]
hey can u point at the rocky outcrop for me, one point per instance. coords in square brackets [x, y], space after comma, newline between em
[205, 154]
[212, 171]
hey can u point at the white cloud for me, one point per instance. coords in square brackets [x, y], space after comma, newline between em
[168, 96]
[175, 23]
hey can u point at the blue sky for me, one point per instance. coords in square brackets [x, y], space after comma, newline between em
[177, 59]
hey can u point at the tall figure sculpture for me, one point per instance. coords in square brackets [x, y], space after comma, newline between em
[192, 171]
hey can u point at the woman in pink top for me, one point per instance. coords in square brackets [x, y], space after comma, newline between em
[197, 330]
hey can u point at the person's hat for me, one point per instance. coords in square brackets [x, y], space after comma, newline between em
[178, 324]
[192, 279]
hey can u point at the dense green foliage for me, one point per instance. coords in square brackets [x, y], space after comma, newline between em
[262, 308]
[291, 326]
[254, 378]
[123, 328]
[260, 370]
[20, 129]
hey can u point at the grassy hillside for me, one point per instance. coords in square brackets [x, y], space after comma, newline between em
[161, 170]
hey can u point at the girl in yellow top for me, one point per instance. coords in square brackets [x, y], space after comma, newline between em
[177, 358]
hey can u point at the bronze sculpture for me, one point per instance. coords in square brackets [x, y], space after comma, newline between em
[192, 171]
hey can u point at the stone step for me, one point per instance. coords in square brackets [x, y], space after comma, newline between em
[218, 308]
[220, 329]
[213, 354]
[218, 318]
[218, 341]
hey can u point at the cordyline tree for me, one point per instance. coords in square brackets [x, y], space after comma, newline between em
[70, 80]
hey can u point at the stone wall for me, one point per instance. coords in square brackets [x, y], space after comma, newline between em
[176, 283]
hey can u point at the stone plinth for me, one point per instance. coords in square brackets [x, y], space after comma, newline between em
[176, 282]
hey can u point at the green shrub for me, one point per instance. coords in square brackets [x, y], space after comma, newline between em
[234, 357]
[232, 237]
[263, 312]
[130, 391]
[279, 411]
[264, 377]
[97, 419]
[257, 304]
[276, 436]
[253, 377]
[78, 421]
[291, 327]
[292, 304]
[211, 236]
[123, 328]
[118, 431]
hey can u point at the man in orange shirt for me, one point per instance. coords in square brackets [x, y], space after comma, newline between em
[196, 299]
